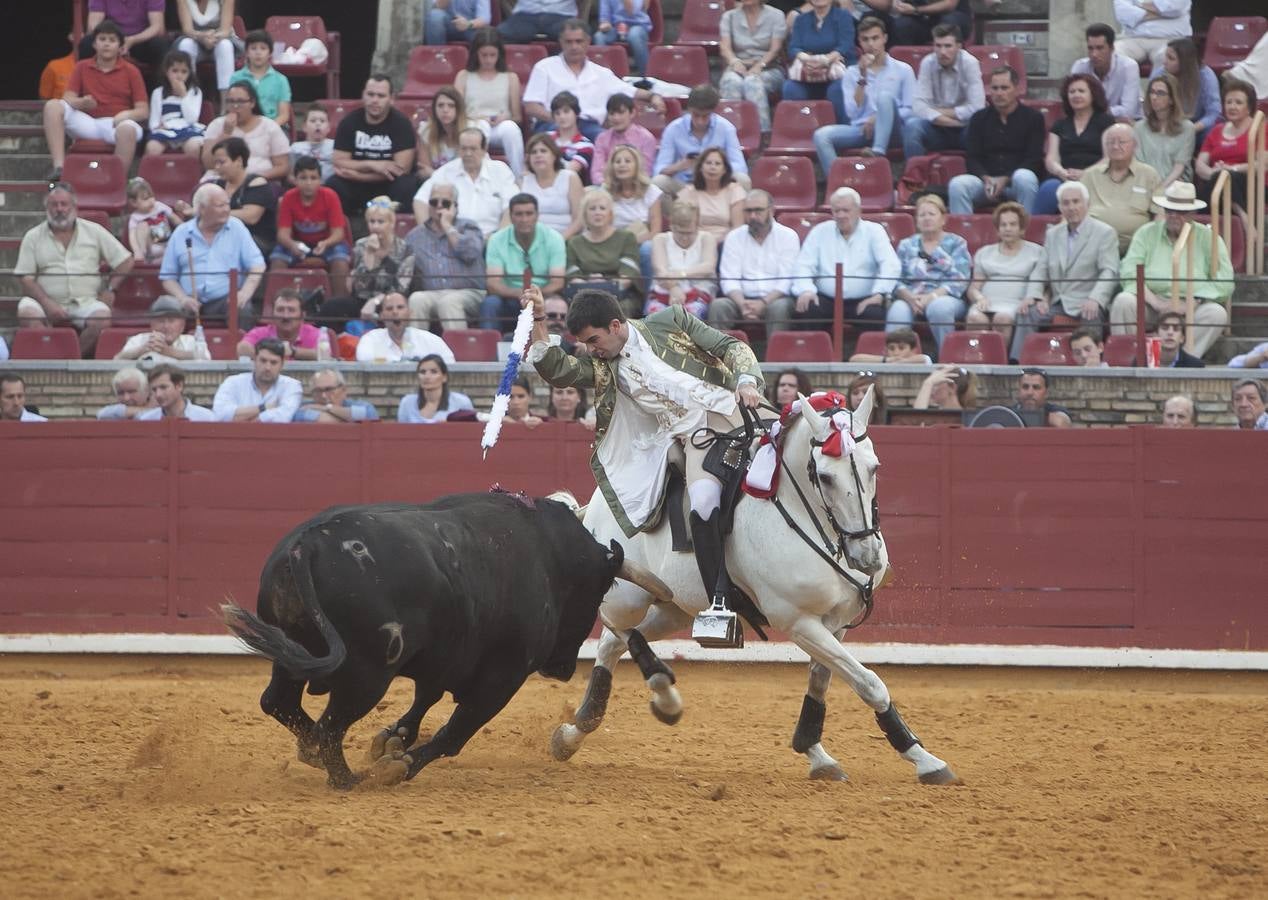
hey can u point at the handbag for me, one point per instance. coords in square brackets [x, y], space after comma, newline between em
[817, 71]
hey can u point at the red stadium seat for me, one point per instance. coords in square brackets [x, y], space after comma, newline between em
[1229, 39]
[790, 180]
[100, 182]
[1051, 109]
[898, 224]
[416, 111]
[1037, 227]
[743, 115]
[699, 25]
[337, 109]
[137, 291]
[1120, 350]
[871, 177]
[657, 15]
[303, 280]
[98, 217]
[873, 342]
[737, 334]
[292, 31]
[173, 176]
[1237, 232]
[221, 344]
[944, 166]
[45, 343]
[800, 346]
[520, 59]
[992, 56]
[688, 66]
[910, 55]
[111, 341]
[432, 67]
[974, 347]
[613, 56]
[473, 344]
[652, 120]
[802, 222]
[1046, 349]
[793, 125]
[404, 224]
[977, 229]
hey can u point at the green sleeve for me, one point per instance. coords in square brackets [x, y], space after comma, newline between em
[736, 354]
[562, 370]
[1135, 255]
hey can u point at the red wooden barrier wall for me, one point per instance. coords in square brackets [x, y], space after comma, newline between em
[1133, 537]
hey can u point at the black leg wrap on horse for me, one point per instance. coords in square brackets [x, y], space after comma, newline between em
[648, 663]
[809, 724]
[896, 730]
[595, 704]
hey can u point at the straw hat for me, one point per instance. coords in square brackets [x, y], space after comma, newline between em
[1180, 196]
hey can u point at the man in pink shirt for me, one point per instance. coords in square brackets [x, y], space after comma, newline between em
[299, 338]
[622, 129]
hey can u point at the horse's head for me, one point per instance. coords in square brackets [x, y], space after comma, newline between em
[841, 465]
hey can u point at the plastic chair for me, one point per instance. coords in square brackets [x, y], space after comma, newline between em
[790, 181]
[974, 347]
[944, 166]
[612, 56]
[871, 177]
[520, 59]
[98, 217]
[793, 125]
[432, 67]
[744, 116]
[687, 66]
[292, 31]
[1237, 233]
[473, 344]
[221, 344]
[992, 56]
[111, 342]
[977, 229]
[1120, 350]
[910, 55]
[1229, 40]
[1037, 227]
[404, 224]
[136, 292]
[699, 25]
[303, 280]
[737, 334]
[655, 122]
[801, 222]
[172, 176]
[800, 346]
[1051, 110]
[899, 224]
[99, 181]
[45, 343]
[1046, 349]
[337, 109]
[873, 342]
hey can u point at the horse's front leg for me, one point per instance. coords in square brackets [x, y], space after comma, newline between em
[809, 732]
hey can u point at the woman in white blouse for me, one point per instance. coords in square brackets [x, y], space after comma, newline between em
[1006, 275]
[684, 262]
[557, 189]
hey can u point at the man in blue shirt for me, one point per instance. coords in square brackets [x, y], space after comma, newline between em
[330, 403]
[218, 243]
[455, 20]
[689, 135]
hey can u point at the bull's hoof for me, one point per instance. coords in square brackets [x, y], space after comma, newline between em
[940, 776]
[565, 742]
[309, 755]
[386, 771]
[378, 746]
[829, 773]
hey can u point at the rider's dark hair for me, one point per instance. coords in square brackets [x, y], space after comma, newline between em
[594, 308]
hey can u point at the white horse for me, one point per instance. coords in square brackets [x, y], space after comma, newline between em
[810, 588]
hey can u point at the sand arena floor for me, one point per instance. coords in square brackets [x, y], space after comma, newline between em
[159, 777]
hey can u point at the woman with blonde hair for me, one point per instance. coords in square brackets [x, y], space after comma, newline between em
[684, 262]
[936, 267]
[635, 198]
[1165, 136]
[602, 255]
[382, 263]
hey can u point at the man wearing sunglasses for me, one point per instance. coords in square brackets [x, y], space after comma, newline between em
[448, 264]
[484, 186]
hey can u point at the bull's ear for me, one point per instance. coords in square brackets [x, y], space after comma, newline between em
[616, 554]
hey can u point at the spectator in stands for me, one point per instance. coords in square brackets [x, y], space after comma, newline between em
[948, 93]
[1165, 137]
[1087, 347]
[1148, 26]
[568, 404]
[141, 27]
[299, 339]
[572, 71]
[311, 226]
[751, 42]
[1032, 397]
[756, 269]
[685, 264]
[262, 395]
[206, 28]
[877, 93]
[1171, 333]
[820, 47]
[947, 387]
[483, 186]
[1118, 75]
[1257, 358]
[1226, 149]
[397, 340]
[604, 256]
[59, 263]
[268, 149]
[935, 275]
[1120, 187]
[1199, 88]
[56, 74]
[381, 263]
[1179, 412]
[686, 138]
[175, 109]
[914, 22]
[374, 151]
[1249, 398]
[622, 129]
[1004, 144]
[538, 17]
[167, 387]
[857, 390]
[165, 341]
[557, 190]
[637, 199]
[1082, 268]
[104, 101]
[1152, 247]
[251, 197]
[131, 395]
[13, 400]
[438, 133]
[492, 96]
[1007, 274]
[271, 87]
[626, 22]
[1253, 69]
[434, 401]
[456, 20]
[4, 349]
[520, 410]
[577, 149]
[331, 404]
[871, 266]
[218, 242]
[786, 386]
[317, 142]
[716, 192]
[902, 346]
[150, 222]
[556, 311]
[1076, 141]
[449, 262]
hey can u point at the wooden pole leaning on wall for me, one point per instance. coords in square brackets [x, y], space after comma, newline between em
[1221, 218]
[1257, 159]
[838, 316]
[1184, 247]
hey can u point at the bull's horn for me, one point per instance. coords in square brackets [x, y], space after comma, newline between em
[633, 572]
[820, 425]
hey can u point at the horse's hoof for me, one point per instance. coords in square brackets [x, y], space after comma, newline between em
[829, 773]
[378, 745]
[662, 716]
[560, 747]
[386, 771]
[940, 776]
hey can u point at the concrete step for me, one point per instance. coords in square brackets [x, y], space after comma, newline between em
[22, 195]
[8, 254]
[22, 112]
[24, 166]
[22, 139]
[14, 224]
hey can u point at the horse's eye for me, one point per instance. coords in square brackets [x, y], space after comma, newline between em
[826, 480]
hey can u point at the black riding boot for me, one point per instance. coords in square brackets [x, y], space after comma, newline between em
[706, 536]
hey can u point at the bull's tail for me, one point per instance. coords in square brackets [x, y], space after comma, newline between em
[274, 643]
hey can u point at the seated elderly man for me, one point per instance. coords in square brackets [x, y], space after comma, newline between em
[262, 395]
[524, 244]
[13, 400]
[1152, 246]
[1249, 399]
[167, 387]
[448, 263]
[1179, 412]
[330, 402]
[299, 339]
[1120, 187]
[166, 340]
[219, 243]
[131, 395]
[1082, 268]
[872, 268]
[396, 341]
[756, 269]
[58, 266]
[483, 186]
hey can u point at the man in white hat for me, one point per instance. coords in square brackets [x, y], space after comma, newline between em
[166, 340]
[1152, 246]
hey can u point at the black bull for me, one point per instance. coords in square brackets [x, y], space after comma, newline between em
[468, 595]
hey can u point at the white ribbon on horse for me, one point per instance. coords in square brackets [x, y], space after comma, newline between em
[760, 480]
[502, 400]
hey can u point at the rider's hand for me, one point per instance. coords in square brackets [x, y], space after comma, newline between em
[748, 396]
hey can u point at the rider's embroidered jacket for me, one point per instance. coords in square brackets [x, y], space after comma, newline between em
[679, 339]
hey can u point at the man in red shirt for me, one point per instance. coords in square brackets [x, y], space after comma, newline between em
[104, 101]
[311, 225]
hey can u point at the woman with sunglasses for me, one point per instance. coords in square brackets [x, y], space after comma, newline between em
[382, 263]
[270, 150]
[1165, 136]
[936, 266]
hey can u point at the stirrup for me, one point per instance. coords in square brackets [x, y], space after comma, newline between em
[718, 627]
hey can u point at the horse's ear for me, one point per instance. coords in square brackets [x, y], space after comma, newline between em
[863, 414]
[820, 425]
